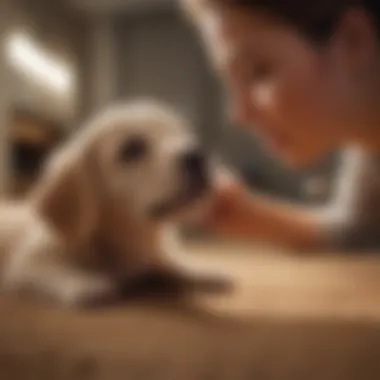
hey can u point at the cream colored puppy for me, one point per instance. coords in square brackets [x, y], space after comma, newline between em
[105, 208]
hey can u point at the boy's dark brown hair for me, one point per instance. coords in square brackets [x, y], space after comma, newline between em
[314, 18]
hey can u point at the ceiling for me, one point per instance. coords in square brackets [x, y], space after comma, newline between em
[120, 5]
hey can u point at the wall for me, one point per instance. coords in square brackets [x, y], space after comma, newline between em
[5, 99]
[101, 73]
[60, 31]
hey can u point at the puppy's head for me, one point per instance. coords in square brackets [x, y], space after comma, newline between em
[150, 160]
[138, 158]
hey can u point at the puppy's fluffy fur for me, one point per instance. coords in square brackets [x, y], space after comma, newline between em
[90, 225]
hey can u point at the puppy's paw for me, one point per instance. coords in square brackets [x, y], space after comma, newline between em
[85, 292]
[210, 281]
[203, 279]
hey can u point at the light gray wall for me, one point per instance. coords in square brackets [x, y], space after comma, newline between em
[6, 94]
[101, 65]
[159, 58]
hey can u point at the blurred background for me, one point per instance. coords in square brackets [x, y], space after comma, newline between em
[62, 59]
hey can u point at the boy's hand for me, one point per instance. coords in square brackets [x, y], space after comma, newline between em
[227, 213]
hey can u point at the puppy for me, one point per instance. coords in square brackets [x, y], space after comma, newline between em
[106, 207]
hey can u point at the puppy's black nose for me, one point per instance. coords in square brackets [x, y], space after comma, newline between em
[194, 164]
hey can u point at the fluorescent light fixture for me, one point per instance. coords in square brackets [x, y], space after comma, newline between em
[24, 54]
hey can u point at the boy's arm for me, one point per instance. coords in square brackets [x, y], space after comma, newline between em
[346, 221]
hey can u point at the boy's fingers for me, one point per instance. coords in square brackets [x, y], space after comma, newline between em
[225, 179]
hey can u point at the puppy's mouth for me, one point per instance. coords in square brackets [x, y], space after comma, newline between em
[181, 202]
[196, 183]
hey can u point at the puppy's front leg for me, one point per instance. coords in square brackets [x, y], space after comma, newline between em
[196, 275]
[38, 267]
[60, 283]
[175, 264]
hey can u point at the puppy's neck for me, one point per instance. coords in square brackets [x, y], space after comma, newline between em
[119, 225]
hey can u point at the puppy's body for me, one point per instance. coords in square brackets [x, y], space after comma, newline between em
[104, 209]
[37, 259]
[15, 219]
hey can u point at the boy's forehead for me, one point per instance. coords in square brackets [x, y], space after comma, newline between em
[228, 39]
[222, 48]
[226, 54]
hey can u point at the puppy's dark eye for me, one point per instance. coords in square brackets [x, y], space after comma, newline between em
[132, 150]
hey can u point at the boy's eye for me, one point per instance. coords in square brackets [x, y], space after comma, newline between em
[253, 72]
[262, 71]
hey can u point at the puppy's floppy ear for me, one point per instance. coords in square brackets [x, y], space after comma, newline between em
[65, 196]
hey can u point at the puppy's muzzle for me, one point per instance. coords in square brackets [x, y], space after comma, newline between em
[195, 169]
[195, 181]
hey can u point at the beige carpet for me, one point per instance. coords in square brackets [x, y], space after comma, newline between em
[288, 319]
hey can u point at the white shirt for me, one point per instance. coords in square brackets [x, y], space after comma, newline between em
[352, 218]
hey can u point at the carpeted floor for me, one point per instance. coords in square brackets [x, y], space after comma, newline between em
[288, 319]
